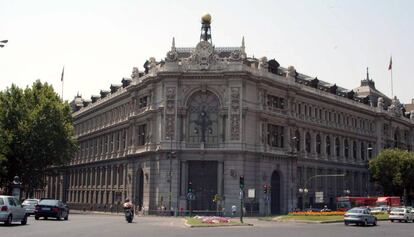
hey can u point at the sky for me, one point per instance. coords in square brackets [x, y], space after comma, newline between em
[99, 41]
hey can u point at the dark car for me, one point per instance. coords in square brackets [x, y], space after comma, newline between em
[51, 208]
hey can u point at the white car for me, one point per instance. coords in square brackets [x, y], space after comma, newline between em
[29, 205]
[11, 210]
[401, 214]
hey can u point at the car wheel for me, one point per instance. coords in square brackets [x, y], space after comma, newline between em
[36, 217]
[375, 222]
[399, 220]
[45, 217]
[67, 217]
[365, 223]
[9, 220]
[59, 217]
[346, 223]
[406, 220]
[392, 220]
[24, 221]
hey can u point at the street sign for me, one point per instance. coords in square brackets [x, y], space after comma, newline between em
[251, 193]
[318, 197]
[190, 196]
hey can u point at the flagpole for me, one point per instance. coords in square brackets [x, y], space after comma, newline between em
[61, 79]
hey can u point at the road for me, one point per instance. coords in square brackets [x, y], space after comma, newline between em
[115, 226]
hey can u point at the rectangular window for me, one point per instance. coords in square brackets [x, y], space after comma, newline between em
[143, 101]
[275, 135]
[275, 102]
[142, 133]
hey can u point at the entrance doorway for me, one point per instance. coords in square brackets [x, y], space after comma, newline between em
[203, 178]
[139, 198]
[275, 193]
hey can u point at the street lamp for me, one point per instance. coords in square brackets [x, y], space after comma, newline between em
[304, 192]
[3, 42]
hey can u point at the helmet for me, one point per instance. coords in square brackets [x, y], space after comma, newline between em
[127, 200]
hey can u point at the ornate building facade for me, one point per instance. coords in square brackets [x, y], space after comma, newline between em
[206, 115]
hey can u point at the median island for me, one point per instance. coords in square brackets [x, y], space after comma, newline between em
[316, 217]
[213, 221]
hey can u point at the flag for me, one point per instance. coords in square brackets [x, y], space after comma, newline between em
[63, 72]
[390, 66]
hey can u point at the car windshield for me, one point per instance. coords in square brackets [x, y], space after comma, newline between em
[376, 209]
[397, 210]
[356, 211]
[48, 202]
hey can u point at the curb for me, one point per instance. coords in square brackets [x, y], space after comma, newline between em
[311, 222]
[214, 225]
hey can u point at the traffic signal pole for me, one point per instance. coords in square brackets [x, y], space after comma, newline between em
[241, 182]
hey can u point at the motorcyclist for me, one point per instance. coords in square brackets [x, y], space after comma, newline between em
[128, 205]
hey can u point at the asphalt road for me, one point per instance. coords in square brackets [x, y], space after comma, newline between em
[115, 226]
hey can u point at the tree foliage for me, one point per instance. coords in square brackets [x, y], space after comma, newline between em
[393, 169]
[36, 133]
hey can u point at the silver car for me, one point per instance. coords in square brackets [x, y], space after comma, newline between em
[11, 210]
[30, 205]
[359, 216]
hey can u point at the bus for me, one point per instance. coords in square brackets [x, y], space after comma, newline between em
[346, 203]
[388, 201]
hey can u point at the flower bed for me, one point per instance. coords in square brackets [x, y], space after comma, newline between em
[213, 219]
[314, 213]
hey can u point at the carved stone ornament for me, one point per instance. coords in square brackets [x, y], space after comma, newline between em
[263, 63]
[135, 73]
[291, 72]
[203, 55]
[236, 55]
[396, 107]
[172, 56]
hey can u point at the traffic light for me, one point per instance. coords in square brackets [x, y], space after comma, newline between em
[265, 189]
[190, 188]
[241, 181]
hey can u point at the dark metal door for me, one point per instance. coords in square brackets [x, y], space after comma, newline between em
[203, 176]
[275, 193]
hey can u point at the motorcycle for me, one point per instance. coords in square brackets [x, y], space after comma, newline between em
[129, 215]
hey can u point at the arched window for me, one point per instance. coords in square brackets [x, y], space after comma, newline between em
[396, 138]
[337, 148]
[362, 151]
[369, 149]
[203, 108]
[346, 148]
[354, 150]
[308, 142]
[318, 144]
[297, 138]
[328, 145]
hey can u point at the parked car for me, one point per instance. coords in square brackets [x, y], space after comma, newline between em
[359, 216]
[11, 210]
[401, 214]
[51, 208]
[376, 210]
[29, 205]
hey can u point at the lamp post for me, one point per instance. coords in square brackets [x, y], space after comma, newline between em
[305, 190]
[3, 42]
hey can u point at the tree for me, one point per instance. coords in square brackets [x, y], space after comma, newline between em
[393, 169]
[36, 134]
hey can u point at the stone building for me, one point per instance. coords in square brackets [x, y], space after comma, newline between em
[207, 115]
